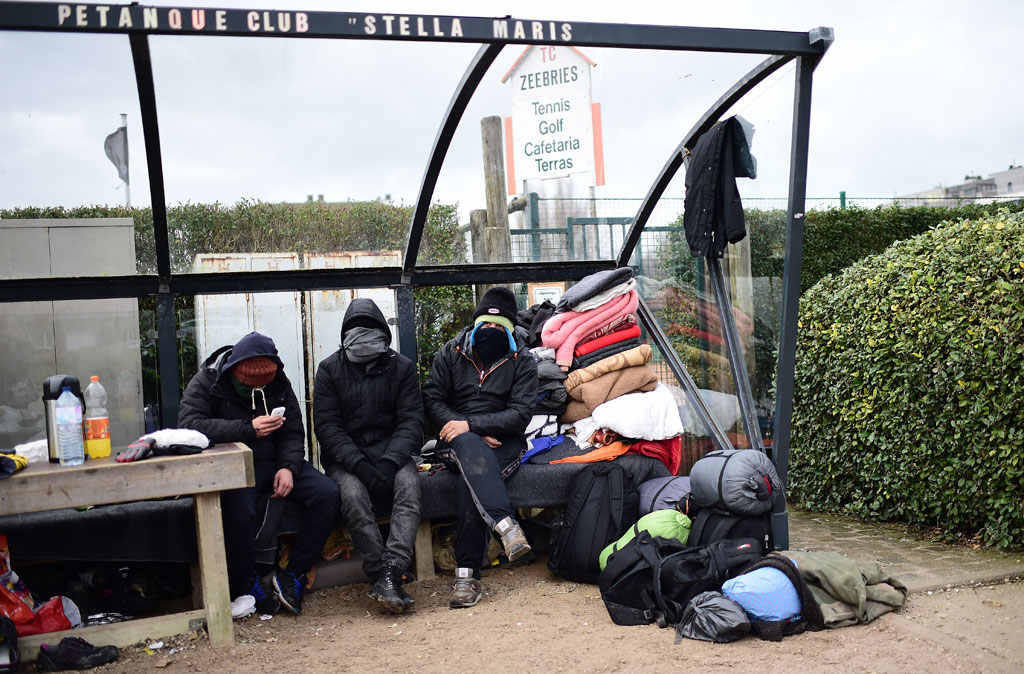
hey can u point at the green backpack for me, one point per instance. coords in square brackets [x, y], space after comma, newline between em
[668, 523]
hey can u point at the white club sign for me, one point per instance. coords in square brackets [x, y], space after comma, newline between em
[552, 129]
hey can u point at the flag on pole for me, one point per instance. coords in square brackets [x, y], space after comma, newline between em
[116, 147]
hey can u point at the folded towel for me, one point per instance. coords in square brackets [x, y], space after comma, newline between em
[609, 339]
[591, 285]
[563, 331]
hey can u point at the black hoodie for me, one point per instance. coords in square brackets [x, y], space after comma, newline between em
[212, 406]
[372, 411]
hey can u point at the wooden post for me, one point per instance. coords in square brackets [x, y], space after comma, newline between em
[477, 225]
[498, 243]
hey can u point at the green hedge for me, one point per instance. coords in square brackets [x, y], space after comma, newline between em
[910, 384]
[257, 227]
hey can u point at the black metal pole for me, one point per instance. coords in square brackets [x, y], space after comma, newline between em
[167, 361]
[791, 289]
[406, 322]
[456, 107]
[167, 341]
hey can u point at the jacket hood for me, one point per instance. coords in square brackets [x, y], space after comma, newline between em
[252, 345]
[364, 311]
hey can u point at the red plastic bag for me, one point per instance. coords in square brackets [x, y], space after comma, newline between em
[49, 617]
[13, 607]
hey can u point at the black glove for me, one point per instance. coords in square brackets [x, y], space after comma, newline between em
[388, 470]
[368, 475]
[137, 451]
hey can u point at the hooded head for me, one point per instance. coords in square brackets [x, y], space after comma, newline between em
[254, 360]
[364, 332]
[363, 312]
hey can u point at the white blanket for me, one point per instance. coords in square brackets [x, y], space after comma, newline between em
[653, 415]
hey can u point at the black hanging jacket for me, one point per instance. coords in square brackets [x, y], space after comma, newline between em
[713, 213]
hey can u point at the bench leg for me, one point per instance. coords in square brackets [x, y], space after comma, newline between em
[213, 569]
[424, 552]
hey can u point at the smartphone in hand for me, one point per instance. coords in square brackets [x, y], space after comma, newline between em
[277, 412]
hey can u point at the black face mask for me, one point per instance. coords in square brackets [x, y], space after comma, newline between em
[490, 344]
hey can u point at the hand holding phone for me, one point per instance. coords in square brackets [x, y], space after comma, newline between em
[277, 412]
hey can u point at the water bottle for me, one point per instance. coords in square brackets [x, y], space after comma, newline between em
[70, 447]
[97, 420]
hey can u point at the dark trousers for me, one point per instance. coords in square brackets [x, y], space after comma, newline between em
[358, 514]
[482, 498]
[314, 492]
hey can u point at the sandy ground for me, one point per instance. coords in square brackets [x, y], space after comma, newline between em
[533, 621]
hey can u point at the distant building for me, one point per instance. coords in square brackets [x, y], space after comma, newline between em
[1008, 183]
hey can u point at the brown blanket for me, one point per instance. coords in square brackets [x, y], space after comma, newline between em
[588, 395]
[636, 356]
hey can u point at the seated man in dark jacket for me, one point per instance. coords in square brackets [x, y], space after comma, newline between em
[368, 417]
[480, 394]
[230, 399]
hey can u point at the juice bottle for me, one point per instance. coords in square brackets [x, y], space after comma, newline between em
[97, 420]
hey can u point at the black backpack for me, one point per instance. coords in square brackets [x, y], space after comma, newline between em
[713, 524]
[603, 504]
[652, 579]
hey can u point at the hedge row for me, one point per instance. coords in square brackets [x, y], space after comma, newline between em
[257, 227]
[910, 384]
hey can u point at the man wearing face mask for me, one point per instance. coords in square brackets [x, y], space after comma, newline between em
[480, 393]
[368, 417]
[230, 400]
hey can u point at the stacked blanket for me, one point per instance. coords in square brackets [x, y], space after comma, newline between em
[563, 331]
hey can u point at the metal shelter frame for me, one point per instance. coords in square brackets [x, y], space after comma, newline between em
[493, 34]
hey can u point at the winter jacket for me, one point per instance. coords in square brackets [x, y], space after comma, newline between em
[212, 406]
[496, 401]
[712, 211]
[373, 412]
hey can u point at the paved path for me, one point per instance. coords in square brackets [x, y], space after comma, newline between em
[920, 565]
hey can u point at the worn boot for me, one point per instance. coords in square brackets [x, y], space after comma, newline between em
[468, 590]
[386, 589]
[512, 538]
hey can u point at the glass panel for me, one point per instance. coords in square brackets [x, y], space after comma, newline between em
[555, 104]
[292, 147]
[679, 290]
[63, 95]
[79, 338]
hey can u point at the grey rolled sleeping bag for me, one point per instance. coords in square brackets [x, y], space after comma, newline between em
[661, 493]
[742, 481]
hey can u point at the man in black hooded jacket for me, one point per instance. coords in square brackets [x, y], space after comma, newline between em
[480, 393]
[230, 399]
[368, 417]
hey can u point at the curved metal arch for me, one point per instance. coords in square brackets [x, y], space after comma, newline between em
[709, 119]
[453, 115]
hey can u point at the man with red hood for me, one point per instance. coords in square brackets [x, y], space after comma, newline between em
[230, 399]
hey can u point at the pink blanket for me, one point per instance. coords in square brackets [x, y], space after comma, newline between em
[563, 331]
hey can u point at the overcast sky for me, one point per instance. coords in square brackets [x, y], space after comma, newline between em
[910, 96]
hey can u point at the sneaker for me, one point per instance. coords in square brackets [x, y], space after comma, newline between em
[74, 653]
[242, 606]
[289, 590]
[512, 539]
[468, 590]
[263, 592]
[386, 589]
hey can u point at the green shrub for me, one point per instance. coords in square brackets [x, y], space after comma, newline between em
[910, 384]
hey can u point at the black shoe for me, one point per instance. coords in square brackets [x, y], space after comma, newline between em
[289, 589]
[74, 653]
[387, 590]
[263, 591]
[9, 637]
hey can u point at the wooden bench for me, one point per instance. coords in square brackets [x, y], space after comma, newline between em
[48, 487]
